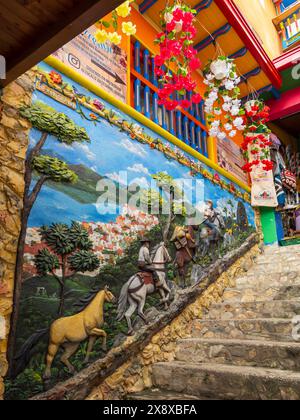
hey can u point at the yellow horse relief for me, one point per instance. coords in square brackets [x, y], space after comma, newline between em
[70, 332]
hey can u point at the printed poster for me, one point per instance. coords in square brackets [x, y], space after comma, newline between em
[104, 64]
[230, 158]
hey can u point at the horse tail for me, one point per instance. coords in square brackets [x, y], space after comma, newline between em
[27, 351]
[122, 306]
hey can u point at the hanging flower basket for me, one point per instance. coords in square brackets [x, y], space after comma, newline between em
[222, 98]
[256, 146]
[177, 52]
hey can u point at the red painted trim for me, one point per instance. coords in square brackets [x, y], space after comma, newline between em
[245, 32]
[288, 59]
[288, 104]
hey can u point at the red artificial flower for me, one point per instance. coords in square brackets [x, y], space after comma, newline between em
[185, 104]
[187, 19]
[247, 167]
[159, 61]
[196, 99]
[171, 105]
[159, 72]
[171, 26]
[195, 64]
[178, 14]
[190, 52]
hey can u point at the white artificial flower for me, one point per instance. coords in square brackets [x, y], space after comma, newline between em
[228, 127]
[218, 111]
[238, 122]
[237, 81]
[210, 76]
[220, 69]
[237, 102]
[229, 85]
[222, 135]
[232, 133]
[227, 98]
[216, 124]
[213, 132]
[226, 107]
[235, 111]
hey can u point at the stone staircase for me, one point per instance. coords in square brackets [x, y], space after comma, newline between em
[243, 348]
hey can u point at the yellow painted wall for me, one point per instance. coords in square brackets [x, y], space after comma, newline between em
[259, 14]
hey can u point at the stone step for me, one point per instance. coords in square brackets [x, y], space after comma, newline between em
[281, 250]
[276, 258]
[250, 329]
[286, 309]
[250, 294]
[261, 280]
[279, 265]
[273, 355]
[161, 395]
[227, 382]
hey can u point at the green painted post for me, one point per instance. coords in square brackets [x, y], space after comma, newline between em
[268, 222]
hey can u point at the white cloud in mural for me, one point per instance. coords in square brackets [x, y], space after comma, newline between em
[139, 168]
[142, 182]
[134, 148]
[87, 152]
[117, 177]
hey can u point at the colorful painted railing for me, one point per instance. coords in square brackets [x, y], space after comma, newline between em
[288, 25]
[188, 126]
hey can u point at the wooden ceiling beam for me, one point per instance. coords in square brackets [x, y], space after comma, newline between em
[47, 40]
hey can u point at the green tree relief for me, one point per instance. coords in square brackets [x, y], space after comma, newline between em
[46, 168]
[69, 250]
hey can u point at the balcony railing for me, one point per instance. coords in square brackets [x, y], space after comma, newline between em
[288, 26]
[188, 126]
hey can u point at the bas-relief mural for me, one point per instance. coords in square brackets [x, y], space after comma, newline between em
[77, 262]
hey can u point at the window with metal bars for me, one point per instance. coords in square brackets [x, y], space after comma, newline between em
[188, 126]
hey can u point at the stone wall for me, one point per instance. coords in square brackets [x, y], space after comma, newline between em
[127, 368]
[14, 139]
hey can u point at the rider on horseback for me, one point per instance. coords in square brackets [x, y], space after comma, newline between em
[145, 263]
[211, 214]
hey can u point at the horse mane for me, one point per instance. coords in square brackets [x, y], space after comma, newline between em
[85, 301]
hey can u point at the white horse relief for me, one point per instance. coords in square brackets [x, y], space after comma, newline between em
[134, 293]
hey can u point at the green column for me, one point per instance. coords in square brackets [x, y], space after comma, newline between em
[268, 222]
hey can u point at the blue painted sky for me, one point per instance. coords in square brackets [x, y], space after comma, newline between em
[109, 152]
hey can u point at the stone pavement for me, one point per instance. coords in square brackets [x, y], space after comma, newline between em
[244, 348]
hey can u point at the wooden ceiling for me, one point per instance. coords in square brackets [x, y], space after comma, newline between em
[211, 20]
[31, 30]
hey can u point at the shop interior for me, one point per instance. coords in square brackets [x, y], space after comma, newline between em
[286, 158]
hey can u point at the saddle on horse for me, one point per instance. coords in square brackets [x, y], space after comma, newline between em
[146, 277]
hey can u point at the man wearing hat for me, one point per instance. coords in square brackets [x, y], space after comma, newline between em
[210, 214]
[145, 261]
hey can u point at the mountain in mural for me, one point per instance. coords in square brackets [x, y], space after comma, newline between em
[84, 191]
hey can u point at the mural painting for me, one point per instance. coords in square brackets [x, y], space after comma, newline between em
[90, 263]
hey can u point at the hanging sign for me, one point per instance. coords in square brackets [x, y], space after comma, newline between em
[104, 64]
[231, 159]
[263, 188]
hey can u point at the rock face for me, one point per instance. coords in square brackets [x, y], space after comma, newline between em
[14, 139]
[246, 346]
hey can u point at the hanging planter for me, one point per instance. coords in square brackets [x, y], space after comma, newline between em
[224, 110]
[256, 146]
[176, 51]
